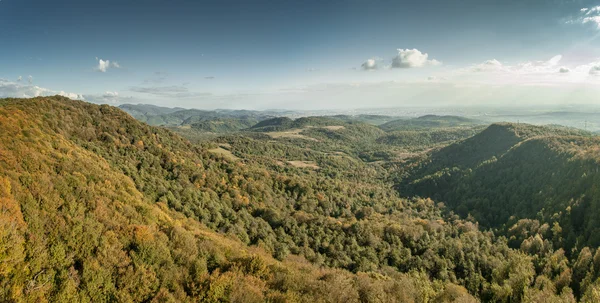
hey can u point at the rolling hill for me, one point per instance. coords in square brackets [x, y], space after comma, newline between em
[142, 111]
[285, 123]
[165, 116]
[97, 206]
[418, 139]
[510, 172]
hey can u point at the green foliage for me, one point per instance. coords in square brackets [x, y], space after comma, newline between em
[96, 206]
[156, 115]
[415, 139]
[223, 125]
[511, 172]
[284, 123]
[535, 185]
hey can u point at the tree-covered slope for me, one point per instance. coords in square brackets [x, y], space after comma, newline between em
[223, 125]
[510, 172]
[97, 206]
[418, 139]
[164, 116]
[285, 123]
[538, 186]
[145, 111]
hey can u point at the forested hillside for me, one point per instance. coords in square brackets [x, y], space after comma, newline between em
[538, 186]
[97, 206]
[143, 111]
[514, 171]
[419, 139]
[164, 116]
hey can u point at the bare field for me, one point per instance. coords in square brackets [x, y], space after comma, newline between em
[334, 127]
[225, 153]
[296, 132]
[292, 133]
[304, 164]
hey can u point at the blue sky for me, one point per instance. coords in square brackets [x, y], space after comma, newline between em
[302, 54]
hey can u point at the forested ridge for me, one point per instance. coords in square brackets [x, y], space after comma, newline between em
[550, 174]
[96, 206]
[537, 186]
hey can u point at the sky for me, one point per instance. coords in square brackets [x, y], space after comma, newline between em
[302, 54]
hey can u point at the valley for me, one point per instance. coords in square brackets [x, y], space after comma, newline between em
[96, 204]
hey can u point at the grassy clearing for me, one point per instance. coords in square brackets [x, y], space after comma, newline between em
[334, 127]
[224, 153]
[304, 164]
[296, 132]
[292, 133]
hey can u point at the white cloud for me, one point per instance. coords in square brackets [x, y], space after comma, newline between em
[594, 19]
[13, 89]
[553, 61]
[538, 66]
[409, 58]
[30, 79]
[19, 79]
[18, 90]
[529, 67]
[104, 65]
[488, 65]
[70, 95]
[532, 73]
[592, 10]
[370, 64]
[587, 15]
[492, 62]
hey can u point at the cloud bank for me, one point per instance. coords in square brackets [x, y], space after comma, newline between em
[19, 90]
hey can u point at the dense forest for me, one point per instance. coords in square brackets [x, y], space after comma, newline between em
[522, 180]
[97, 206]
